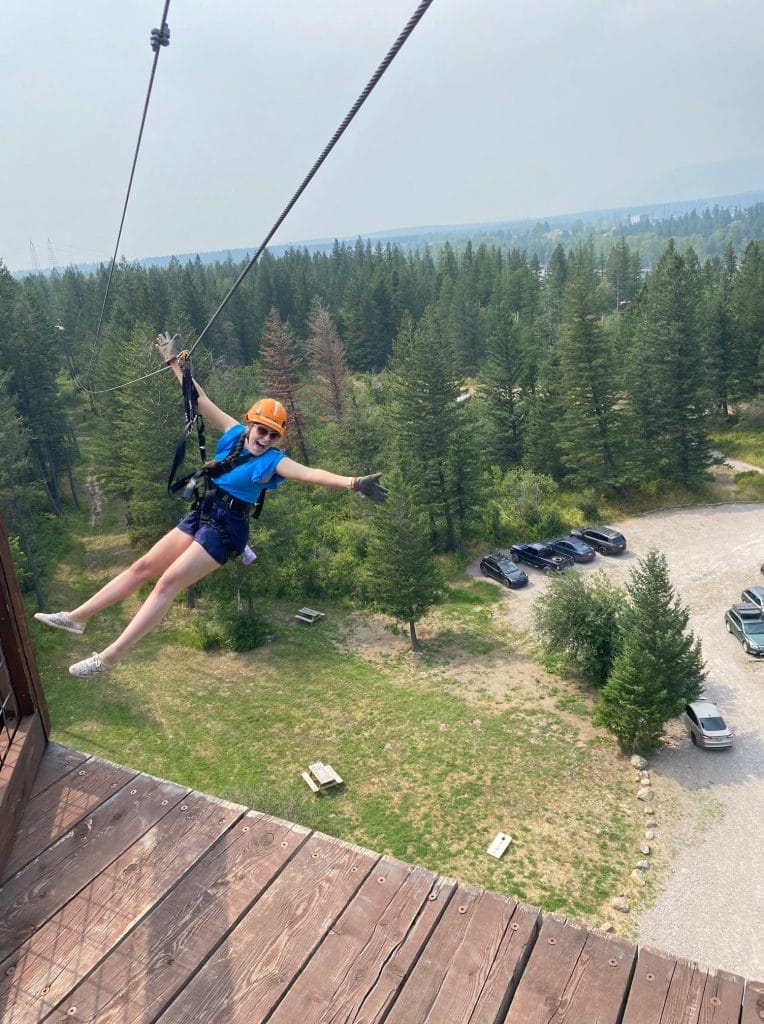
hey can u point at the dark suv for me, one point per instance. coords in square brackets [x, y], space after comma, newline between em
[745, 622]
[542, 556]
[503, 570]
[601, 538]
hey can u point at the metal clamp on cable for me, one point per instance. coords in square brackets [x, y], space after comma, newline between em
[160, 37]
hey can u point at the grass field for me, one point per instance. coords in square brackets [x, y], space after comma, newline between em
[438, 752]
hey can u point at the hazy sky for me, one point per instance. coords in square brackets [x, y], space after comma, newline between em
[494, 109]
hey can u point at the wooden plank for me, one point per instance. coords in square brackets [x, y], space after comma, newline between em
[39, 891]
[61, 806]
[310, 782]
[385, 988]
[347, 964]
[650, 986]
[72, 942]
[146, 971]
[453, 981]
[582, 976]
[56, 762]
[247, 976]
[753, 1003]
[17, 779]
[722, 1001]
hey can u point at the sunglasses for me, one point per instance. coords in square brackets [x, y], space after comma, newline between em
[261, 431]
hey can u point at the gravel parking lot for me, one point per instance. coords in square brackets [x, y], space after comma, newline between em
[710, 907]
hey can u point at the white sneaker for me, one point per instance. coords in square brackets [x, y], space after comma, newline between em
[61, 620]
[89, 666]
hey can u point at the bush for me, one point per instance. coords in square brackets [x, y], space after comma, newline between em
[229, 632]
[751, 484]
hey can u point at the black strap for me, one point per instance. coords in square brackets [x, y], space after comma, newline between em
[191, 409]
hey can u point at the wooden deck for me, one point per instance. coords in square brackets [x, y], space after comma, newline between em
[130, 899]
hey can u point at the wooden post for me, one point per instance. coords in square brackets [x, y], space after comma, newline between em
[16, 640]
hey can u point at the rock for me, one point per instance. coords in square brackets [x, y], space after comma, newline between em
[638, 762]
[443, 726]
[650, 834]
[609, 928]
[643, 865]
[651, 823]
[649, 812]
[638, 876]
[645, 777]
[619, 903]
[646, 849]
[645, 793]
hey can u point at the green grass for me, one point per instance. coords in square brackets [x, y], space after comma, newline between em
[746, 445]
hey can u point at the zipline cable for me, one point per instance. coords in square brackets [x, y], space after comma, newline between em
[411, 24]
[159, 37]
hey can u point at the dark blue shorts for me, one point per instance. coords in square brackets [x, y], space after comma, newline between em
[210, 534]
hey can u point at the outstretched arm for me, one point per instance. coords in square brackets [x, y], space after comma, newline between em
[369, 486]
[211, 412]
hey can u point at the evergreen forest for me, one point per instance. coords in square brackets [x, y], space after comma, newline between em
[498, 395]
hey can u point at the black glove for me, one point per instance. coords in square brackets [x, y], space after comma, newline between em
[370, 487]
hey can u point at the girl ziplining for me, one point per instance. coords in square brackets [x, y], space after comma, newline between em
[217, 527]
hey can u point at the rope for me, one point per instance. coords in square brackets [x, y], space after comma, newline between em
[411, 24]
[159, 37]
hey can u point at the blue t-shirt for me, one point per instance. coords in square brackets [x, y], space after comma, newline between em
[255, 475]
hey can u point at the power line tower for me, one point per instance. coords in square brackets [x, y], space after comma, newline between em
[51, 256]
[33, 254]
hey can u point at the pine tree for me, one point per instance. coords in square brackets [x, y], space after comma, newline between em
[402, 575]
[326, 355]
[500, 389]
[589, 435]
[666, 380]
[660, 667]
[428, 436]
[748, 317]
[282, 372]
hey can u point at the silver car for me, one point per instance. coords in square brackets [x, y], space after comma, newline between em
[706, 726]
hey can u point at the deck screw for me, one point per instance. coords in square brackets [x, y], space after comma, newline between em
[246, 828]
[716, 1001]
[432, 897]
[612, 962]
[72, 1010]
[552, 941]
[380, 879]
[164, 803]
[80, 773]
[462, 910]
[133, 792]
[184, 807]
[515, 926]
[650, 976]
[315, 856]
[285, 843]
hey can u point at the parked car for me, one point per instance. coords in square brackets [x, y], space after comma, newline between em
[503, 569]
[601, 538]
[745, 622]
[541, 556]
[578, 549]
[706, 726]
[754, 595]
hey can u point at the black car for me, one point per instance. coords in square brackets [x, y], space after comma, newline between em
[503, 569]
[578, 549]
[601, 538]
[541, 556]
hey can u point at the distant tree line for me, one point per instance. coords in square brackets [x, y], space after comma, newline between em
[483, 383]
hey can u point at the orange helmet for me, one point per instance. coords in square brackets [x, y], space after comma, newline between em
[269, 412]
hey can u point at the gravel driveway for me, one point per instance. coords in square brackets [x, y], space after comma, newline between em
[711, 906]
